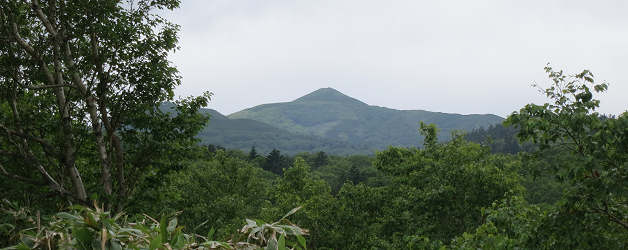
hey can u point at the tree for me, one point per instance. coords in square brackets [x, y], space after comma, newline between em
[569, 125]
[275, 162]
[441, 190]
[232, 189]
[320, 160]
[430, 132]
[82, 83]
[298, 187]
[253, 153]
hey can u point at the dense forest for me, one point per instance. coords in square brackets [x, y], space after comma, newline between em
[96, 153]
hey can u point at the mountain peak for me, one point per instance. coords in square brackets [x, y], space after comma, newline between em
[328, 95]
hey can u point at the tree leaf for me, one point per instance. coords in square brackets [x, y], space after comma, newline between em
[301, 240]
[282, 243]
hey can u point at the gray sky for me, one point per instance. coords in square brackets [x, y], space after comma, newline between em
[448, 56]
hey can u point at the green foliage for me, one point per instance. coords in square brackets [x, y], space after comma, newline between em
[320, 160]
[253, 154]
[443, 188]
[298, 187]
[275, 162]
[596, 175]
[354, 169]
[500, 138]
[86, 228]
[508, 224]
[80, 92]
[586, 153]
[430, 133]
[274, 235]
[217, 193]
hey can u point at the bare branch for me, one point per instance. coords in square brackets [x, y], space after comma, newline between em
[48, 86]
[4, 172]
[43, 18]
[31, 51]
[41, 141]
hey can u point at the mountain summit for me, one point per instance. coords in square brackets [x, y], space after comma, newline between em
[328, 95]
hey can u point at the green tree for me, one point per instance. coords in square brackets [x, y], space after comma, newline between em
[81, 84]
[441, 190]
[320, 160]
[253, 153]
[354, 175]
[275, 162]
[430, 132]
[298, 187]
[218, 193]
[596, 195]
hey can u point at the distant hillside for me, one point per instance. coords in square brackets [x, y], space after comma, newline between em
[244, 133]
[329, 114]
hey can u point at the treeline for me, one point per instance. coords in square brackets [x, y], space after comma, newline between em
[500, 138]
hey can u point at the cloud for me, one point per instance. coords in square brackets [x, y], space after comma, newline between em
[448, 56]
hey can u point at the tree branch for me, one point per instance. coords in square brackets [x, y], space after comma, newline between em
[43, 18]
[612, 217]
[41, 141]
[93, 115]
[4, 172]
[31, 51]
[48, 86]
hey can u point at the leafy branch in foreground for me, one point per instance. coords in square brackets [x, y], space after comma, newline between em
[95, 228]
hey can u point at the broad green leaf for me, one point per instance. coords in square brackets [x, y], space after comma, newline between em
[210, 235]
[301, 240]
[163, 230]
[155, 243]
[282, 243]
[68, 216]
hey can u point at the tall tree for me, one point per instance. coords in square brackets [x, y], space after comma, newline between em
[253, 153]
[83, 80]
[321, 159]
[570, 125]
[275, 162]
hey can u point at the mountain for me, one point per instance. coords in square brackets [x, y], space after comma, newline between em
[329, 114]
[244, 133]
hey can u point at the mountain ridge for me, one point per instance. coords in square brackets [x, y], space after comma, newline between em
[243, 134]
[329, 114]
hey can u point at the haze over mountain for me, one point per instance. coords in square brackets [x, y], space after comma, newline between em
[328, 120]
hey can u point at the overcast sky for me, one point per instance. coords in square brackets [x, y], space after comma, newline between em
[448, 56]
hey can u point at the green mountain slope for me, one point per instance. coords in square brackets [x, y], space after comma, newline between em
[244, 133]
[329, 114]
